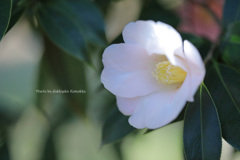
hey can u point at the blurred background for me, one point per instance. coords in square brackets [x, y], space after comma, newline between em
[56, 126]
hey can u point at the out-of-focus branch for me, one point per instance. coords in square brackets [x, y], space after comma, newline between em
[210, 52]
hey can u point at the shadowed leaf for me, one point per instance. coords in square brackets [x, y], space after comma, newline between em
[115, 127]
[223, 84]
[5, 14]
[202, 133]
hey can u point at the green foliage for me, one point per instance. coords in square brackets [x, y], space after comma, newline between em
[224, 86]
[202, 132]
[16, 13]
[156, 12]
[231, 46]
[5, 13]
[231, 12]
[69, 74]
[72, 25]
[115, 127]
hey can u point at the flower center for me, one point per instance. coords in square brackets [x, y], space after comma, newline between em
[167, 73]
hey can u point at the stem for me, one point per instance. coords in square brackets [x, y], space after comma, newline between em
[210, 52]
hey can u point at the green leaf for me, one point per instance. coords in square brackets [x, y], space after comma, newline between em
[69, 75]
[235, 39]
[231, 46]
[72, 25]
[16, 13]
[5, 14]
[115, 127]
[202, 133]
[231, 11]
[231, 55]
[224, 86]
[152, 10]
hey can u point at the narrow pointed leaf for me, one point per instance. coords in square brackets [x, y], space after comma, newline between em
[224, 85]
[202, 133]
[5, 14]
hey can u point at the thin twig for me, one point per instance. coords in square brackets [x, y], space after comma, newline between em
[210, 52]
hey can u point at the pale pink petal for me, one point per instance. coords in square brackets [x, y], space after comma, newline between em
[155, 37]
[128, 71]
[193, 56]
[179, 59]
[158, 109]
[127, 105]
[173, 106]
[196, 66]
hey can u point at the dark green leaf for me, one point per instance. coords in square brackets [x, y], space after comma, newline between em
[235, 39]
[231, 55]
[224, 86]
[156, 12]
[17, 11]
[232, 33]
[231, 12]
[202, 133]
[231, 46]
[115, 127]
[72, 25]
[5, 14]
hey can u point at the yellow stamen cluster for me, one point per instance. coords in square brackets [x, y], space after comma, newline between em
[167, 73]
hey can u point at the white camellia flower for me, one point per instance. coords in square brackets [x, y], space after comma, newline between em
[153, 74]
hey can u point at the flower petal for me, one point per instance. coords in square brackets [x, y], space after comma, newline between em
[155, 37]
[158, 109]
[179, 59]
[193, 56]
[128, 71]
[127, 105]
[196, 67]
